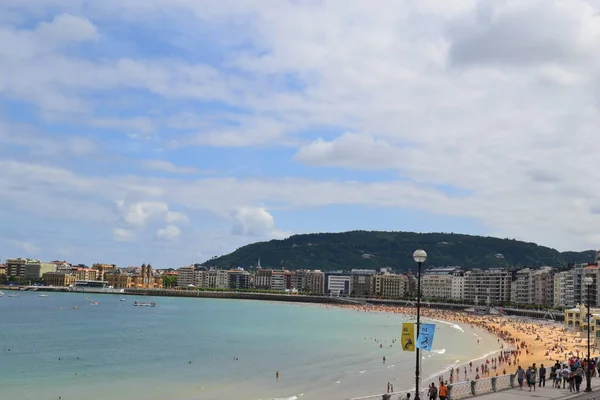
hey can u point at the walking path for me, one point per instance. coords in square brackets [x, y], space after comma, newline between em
[547, 392]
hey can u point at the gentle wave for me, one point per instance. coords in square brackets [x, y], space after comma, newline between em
[439, 351]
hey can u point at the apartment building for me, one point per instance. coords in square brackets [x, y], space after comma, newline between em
[488, 284]
[563, 289]
[436, 283]
[390, 285]
[238, 279]
[103, 269]
[315, 282]
[590, 271]
[278, 280]
[217, 279]
[522, 288]
[543, 286]
[533, 287]
[27, 269]
[186, 276]
[262, 279]
[457, 291]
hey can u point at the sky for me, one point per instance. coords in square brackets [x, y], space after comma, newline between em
[172, 131]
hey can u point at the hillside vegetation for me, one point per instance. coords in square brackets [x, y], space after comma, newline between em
[375, 249]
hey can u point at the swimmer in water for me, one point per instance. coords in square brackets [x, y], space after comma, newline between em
[277, 375]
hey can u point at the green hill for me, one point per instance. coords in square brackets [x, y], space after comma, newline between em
[373, 249]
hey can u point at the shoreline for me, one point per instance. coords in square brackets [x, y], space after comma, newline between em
[524, 341]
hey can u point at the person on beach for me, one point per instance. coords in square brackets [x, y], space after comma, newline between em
[520, 377]
[433, 392]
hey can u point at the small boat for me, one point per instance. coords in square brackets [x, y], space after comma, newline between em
[123, 300]
[1, 294]
[14, 295]
[42, 295]
[144, 304]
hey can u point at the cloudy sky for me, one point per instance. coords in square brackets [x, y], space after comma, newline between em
[171, 131]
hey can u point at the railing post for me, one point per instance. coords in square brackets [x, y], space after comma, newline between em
[450, 391]
[494, 384]
[512, 381]
[473, 383]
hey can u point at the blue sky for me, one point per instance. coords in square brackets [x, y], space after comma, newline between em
[172, 131]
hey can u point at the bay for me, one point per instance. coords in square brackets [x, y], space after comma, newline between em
[186, 348]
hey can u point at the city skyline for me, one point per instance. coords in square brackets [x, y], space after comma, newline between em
[177, 131]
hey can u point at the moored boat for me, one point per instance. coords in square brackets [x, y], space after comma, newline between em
[144, 304]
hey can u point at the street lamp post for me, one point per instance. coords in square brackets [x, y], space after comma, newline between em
[587, 281]
[419, 256]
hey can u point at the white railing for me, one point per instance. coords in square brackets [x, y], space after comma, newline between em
[504, 382]
[456, 391]
[460, 390]
[392, 396]
[483, 386]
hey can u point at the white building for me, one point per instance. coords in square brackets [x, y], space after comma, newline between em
[437, 283]
[533, 287]
[564, 295]
[457, 292]
[483, 285]
[390, 285]
[522, 287]
[543, 286]
[186, 276]
[338, 284]
[278, 280]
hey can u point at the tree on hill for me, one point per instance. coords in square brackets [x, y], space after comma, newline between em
[377, 249]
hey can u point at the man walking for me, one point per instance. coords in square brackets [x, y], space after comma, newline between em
[433, 392]
[542, 372]
[443, 391]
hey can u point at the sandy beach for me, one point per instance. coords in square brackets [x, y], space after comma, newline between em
[528, 340]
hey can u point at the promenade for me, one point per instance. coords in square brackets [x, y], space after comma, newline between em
[547, 392]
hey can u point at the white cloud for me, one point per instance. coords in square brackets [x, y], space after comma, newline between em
[253, 221]
[138, 214]
[123, 235]
[169, 232]
[175, 217]
[40, 144]
[166, 166]
[351, 151]
[485, 110]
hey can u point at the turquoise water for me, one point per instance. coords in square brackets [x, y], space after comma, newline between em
[116, 351]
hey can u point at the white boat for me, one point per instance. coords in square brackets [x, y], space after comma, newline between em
[144, 304]
[1, 294]
[42, 295]
[123, 300]
[14, 295]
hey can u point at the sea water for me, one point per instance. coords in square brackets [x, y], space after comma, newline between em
[185, 348]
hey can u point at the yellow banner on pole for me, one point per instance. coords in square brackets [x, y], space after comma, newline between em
[408, 336]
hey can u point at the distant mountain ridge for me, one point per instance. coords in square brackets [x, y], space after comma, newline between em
[378, 249]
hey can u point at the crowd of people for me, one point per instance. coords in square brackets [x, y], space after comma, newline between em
[521, 341]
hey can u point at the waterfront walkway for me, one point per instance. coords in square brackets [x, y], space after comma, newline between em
[547, 392]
